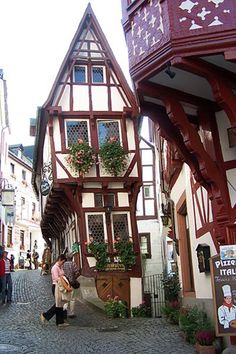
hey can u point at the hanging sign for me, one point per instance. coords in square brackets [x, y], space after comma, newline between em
[8, 197]
[223, 276]
[44, 187]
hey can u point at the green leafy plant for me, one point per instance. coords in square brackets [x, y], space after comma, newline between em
[113, 157]
[193, 320]
[99, 251]
[205, 337]
[81, 157]
[172, 313]
[141, 310]
[171, 286]
[114, 307]
[125, 252]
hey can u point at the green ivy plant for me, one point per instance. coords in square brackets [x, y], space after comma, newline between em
[113, 157]
[99, 251]
[81, 157]
[126, 253]
[114, 307]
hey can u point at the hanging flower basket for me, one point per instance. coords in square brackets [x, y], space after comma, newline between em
[81, 157]
[113, 157]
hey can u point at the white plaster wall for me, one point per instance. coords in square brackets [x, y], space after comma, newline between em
[202, 281]
[56, 134]
[81, 98]
[65, 99]
[46, 148]
[223, 124]
[130, 134]
[92, 185]
[123, 199]
[231, 177]
[99, 98]
[135, 292]
[61, 173]
[153, 265]
[117, 102]
[114, 185]
[88, 200]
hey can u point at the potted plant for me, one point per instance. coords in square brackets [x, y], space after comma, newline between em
[125, 251]
[113, 157]
[141, 310]
[114, 307]
[172, 288]
[81, 157]
[99, 251]
[204, 342]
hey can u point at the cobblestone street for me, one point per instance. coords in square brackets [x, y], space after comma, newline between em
[91, 332]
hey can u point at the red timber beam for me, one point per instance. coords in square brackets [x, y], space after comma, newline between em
[216, 77]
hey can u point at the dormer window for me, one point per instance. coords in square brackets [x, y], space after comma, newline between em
[108, 129]
[80, 74]
[97, 74]
[75, 130]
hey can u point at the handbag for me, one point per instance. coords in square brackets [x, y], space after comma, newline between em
[75, 284]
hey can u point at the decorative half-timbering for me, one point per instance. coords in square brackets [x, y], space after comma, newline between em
[87, 135]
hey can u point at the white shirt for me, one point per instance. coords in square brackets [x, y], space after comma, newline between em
[226, 314]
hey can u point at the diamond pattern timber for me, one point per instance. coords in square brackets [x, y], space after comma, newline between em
[96, 227]
[120, 226]
[76, 130]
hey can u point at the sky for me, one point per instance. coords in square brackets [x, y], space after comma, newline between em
[34, 38]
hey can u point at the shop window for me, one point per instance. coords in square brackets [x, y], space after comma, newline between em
[76, 130]
[80, 75]
[97, 74]
[145, 244]
[120, 226]
[108, 129]
[96, 227]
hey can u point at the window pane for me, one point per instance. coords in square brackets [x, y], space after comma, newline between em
[106, 130]
[98, 200]
[120, 226]
[80, 74]
[96, 227]
[97, 73]
[76, 130]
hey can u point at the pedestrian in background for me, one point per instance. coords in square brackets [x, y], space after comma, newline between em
[35, 257]
[12, 259]
[28, 260]
[56, 272]
[46, 260]
[2, 278]
[8, 280]
[72, 272]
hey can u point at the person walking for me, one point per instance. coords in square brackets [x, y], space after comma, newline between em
[56, 309]
[35, 257]
[72, 272]
[8, 280]
[46, 260]
[28, 260]
[2, 278]
[12, 259]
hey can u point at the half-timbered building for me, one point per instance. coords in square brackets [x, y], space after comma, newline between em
[182, 62]
[90, 103]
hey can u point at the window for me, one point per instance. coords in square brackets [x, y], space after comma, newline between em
[97, 74]
[108, 129]
[9, 236]
[96, 227]
[23, 175]
[12, 168]
[120, 226]
[80, 74]
[22, 201]
[22, 239]
[76, 130]
[146, 192]
[145, 244]
[98, 199]
[33, 209]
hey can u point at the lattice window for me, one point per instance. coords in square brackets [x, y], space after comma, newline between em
[97, 74]
[76, 130]
[96, 227]
[120, 226]
[80, 74]
[108, 129]
[98, 198]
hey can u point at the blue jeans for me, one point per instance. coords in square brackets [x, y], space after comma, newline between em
[8, 286]
[3, 288]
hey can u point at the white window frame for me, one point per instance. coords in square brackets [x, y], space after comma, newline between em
[86, 74]
[103, 71]
[77, 120]
[129, 222]
[108, 121]
[104, 223]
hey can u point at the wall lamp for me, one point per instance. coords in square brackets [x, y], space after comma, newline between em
[166, 214]
[169, 72]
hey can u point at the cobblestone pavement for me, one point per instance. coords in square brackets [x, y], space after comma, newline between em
[91, 332]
